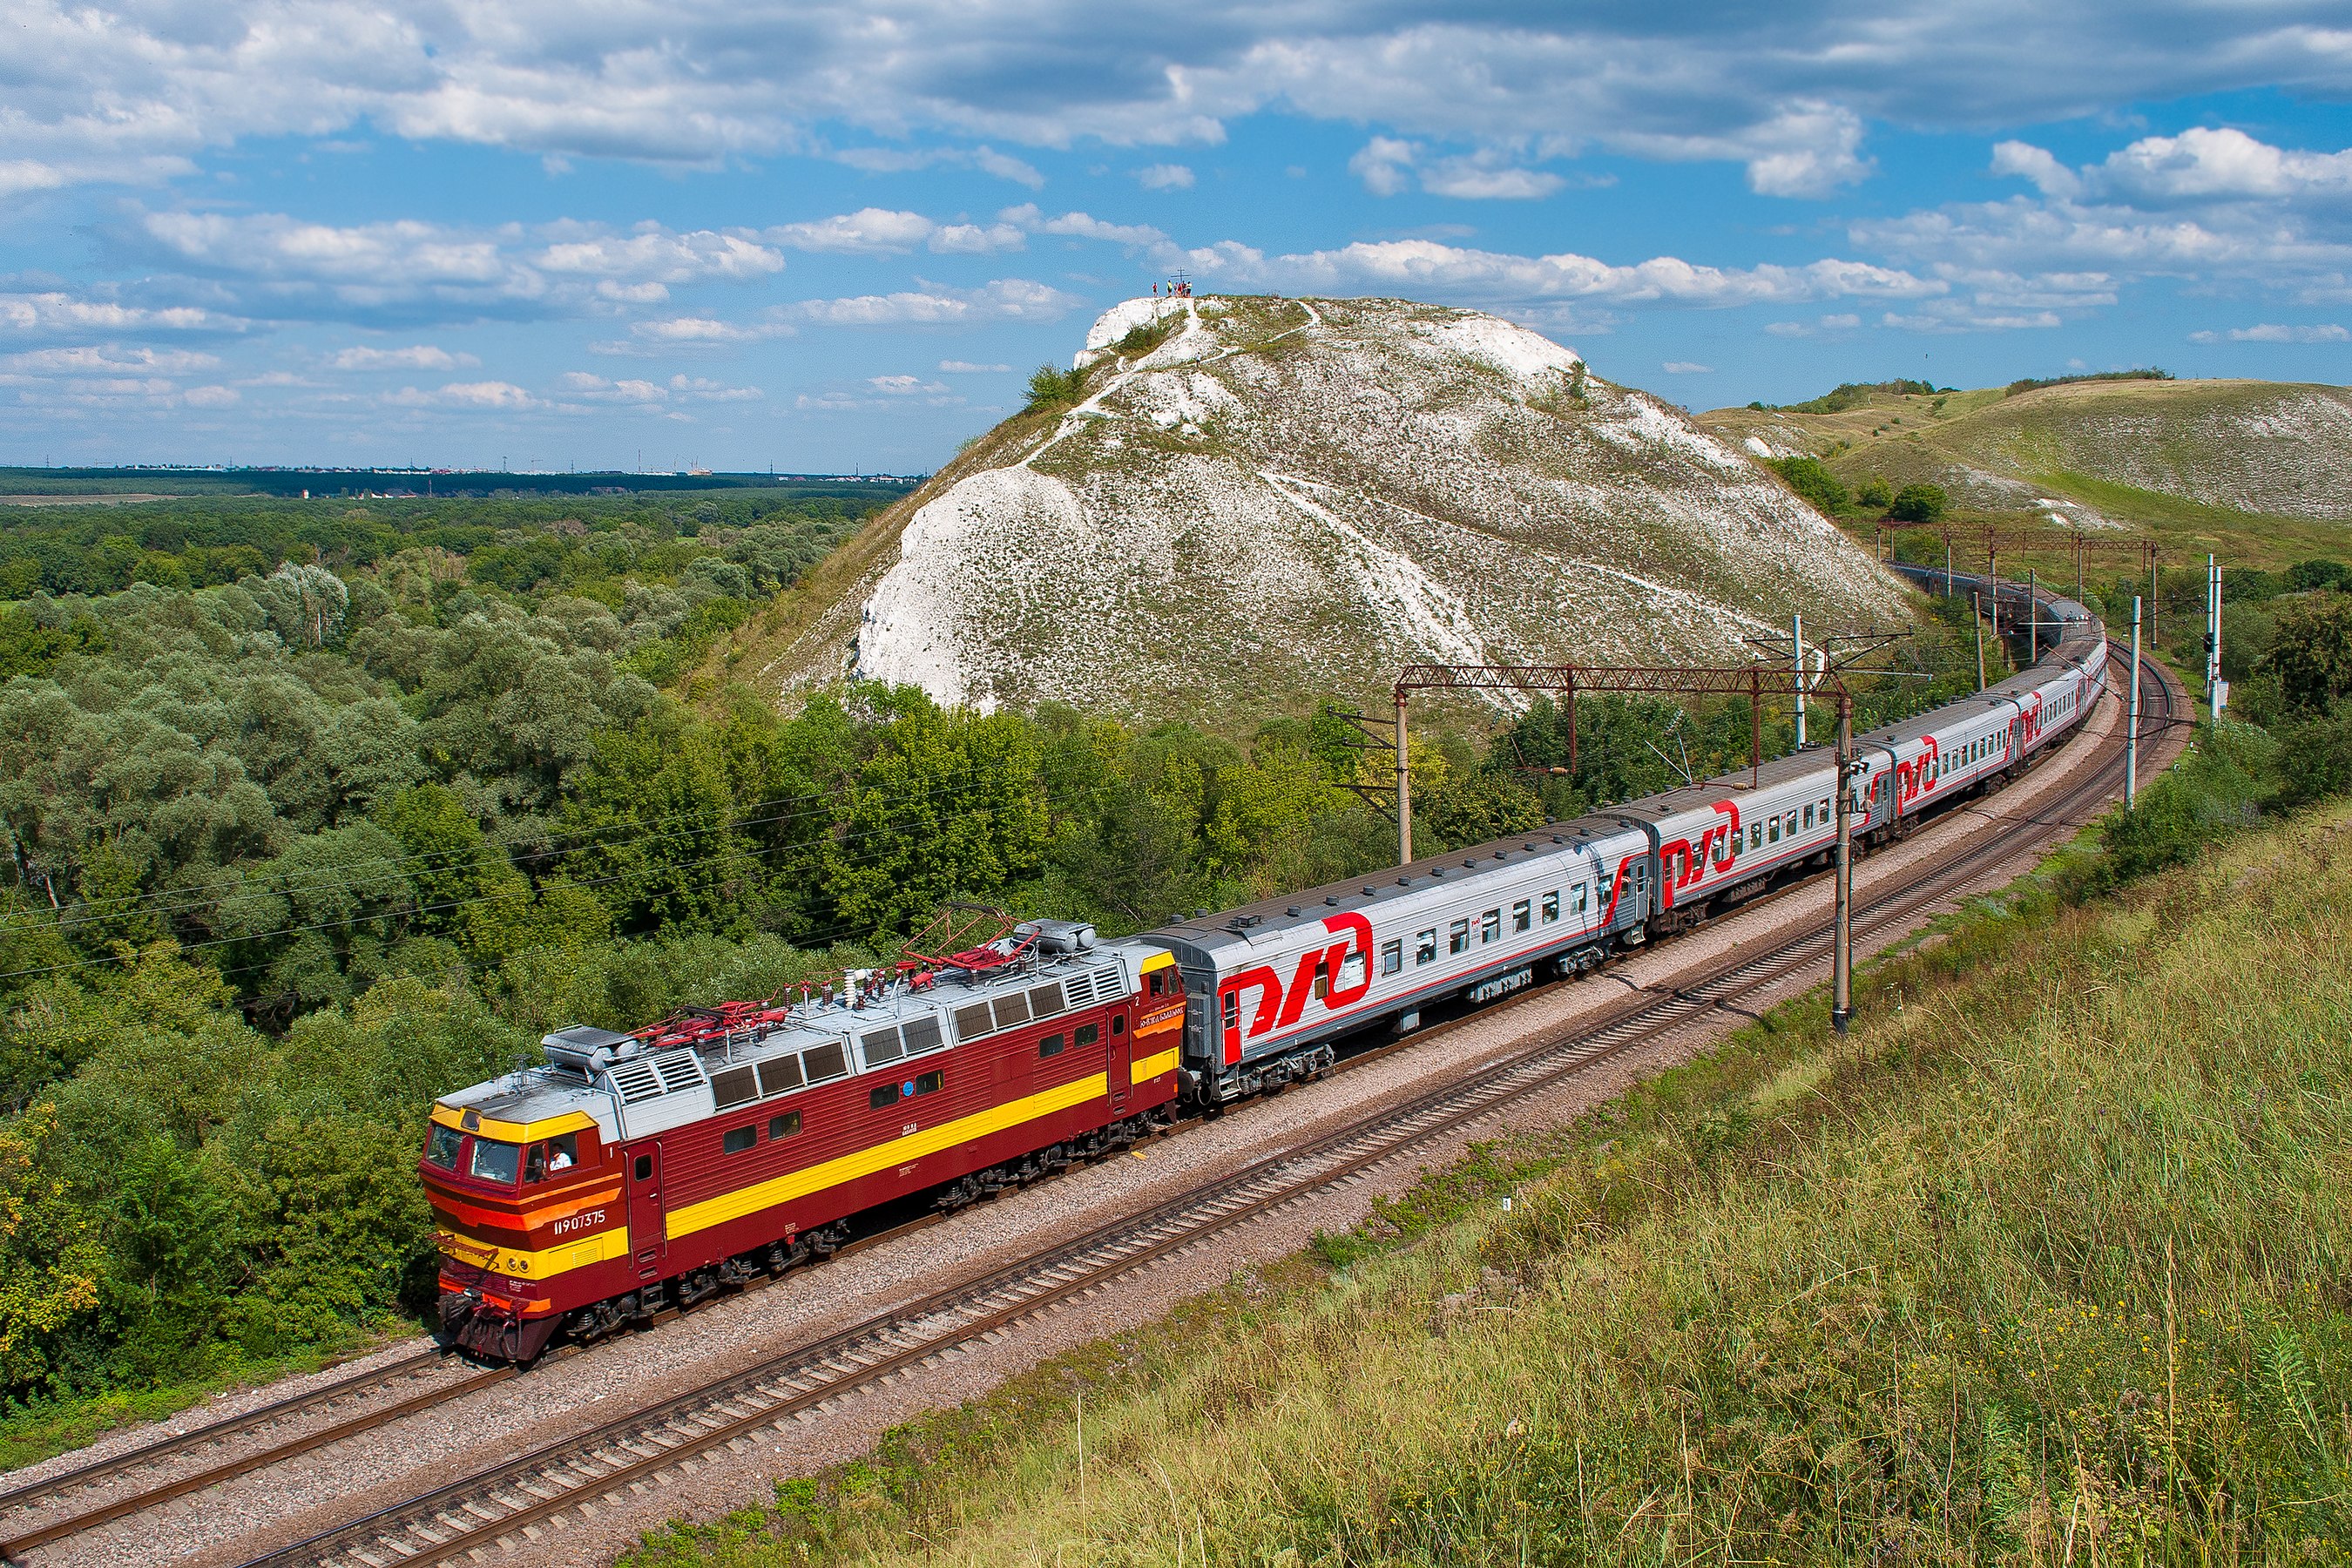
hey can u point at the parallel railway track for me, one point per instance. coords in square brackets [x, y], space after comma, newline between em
[605, 1462]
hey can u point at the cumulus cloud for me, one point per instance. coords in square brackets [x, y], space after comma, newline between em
[1003, 299]
[2205, 204]
[499, 396]
[1459, 272]
[1836, 322]
[2276, 332]
[416, 356]
[1164, 177]
[586, 386]
[1388, 166]
[406, 267]
[55, 313]
[903, 385]
[110, 358]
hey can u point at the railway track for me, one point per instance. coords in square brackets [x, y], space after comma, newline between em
[556, 1477]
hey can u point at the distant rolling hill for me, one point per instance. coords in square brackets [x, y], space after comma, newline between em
[1254, 502]
[2213, 454]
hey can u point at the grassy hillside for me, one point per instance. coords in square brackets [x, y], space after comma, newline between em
[2258, 472]
[2048, 1262]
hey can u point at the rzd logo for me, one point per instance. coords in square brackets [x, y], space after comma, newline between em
[1320, 971]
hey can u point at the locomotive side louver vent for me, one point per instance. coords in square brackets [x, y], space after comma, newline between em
[636, 1080]
[1079, 989]
[679, 1070]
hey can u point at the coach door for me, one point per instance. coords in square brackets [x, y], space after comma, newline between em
[648, 1225]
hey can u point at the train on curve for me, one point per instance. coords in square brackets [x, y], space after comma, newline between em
[635, 1172]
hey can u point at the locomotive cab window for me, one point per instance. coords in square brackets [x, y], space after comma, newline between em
[495, 1161]
[1119, 1023]
[738, 1139]
[441, 1148]
[553, 1157]
[645, 1167]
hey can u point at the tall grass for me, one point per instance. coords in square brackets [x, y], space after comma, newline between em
[2049, 1262]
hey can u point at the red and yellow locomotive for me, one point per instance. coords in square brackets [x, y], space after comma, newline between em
[635, 1172]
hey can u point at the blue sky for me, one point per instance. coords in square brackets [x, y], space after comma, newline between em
[825, 237]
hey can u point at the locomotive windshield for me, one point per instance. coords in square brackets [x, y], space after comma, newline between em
[442, 1147]
[495, 1162]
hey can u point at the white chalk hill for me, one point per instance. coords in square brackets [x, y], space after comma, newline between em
[1262, 500]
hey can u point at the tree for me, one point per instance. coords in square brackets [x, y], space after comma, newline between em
[1876, 492]
[1478, 805]
[1919, 503]
[2311, 651]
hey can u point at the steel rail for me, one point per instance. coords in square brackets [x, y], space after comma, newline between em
[559, 1475]
[228, 1426]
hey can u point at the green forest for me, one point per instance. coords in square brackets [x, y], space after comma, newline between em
[317, 810]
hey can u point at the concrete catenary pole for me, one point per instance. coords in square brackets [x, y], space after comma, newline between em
[2131, 725]
[2212, 640]
[1976, 603]
[1842, 940]
[1404, 789]
[1797, 643]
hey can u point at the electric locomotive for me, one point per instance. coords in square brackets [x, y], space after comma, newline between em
[634, 1173]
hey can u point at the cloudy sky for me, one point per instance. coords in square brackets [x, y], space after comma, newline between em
[823, 235]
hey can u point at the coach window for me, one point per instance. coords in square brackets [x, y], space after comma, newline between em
[1457, 937]
[1755, 835]
[1089, 1034]
[1808, 813]
[1789, 825]
[1772, 834]
[1424, 946]
[1322, 987]
[1392, 955]
[1523, 915]
[1490, 926]
[1551, 906]
[784, 1126]
[738, 1139]
[1051, 1046]
[1232, 1009]
[1824, 816]
[1583, 897]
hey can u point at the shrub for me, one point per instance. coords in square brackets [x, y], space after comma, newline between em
[1822, 490]
[1919, 503]
[1053, 387]
[1876, 492]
